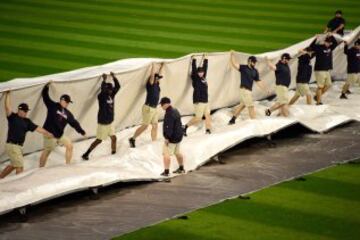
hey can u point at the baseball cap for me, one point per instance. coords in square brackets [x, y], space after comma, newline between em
[66, 98]
[286, 56]
[165, 100]
[252, 59]
[338, 12]
[24, 107]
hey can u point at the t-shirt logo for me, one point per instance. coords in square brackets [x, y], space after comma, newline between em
[327, 51]
[62, 114]
[109, 101]
[204, 81]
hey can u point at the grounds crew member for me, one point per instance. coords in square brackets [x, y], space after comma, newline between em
[200, 95]
[283, 80]
[58, 116]
[173, 134]
[105, 129]
[323, 65]
[353, 67]
[150, 114]
[304, 72]
[18, 126]
[249, 74]
[336, 24]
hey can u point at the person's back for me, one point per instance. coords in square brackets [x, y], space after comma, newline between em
[173, 120]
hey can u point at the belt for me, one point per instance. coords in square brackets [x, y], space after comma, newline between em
[15, 143]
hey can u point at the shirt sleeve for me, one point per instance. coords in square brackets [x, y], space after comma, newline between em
[46, 98]
[31, 126]
[256, 77]
[205, 66]
[11, 116]
[75, 124]
[116, 86]
[241, 68]
[346, 49]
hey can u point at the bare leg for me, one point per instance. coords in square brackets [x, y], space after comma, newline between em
[238, 109]
[19, 170]
[276, 106]
[140, 130]
[68, 153]
[319, 92]
[154, 131]
[193, 121]
[113, 144]
[207, 121]
[43, 158]
[345, 88]
[180, 159]
[309, 99]
[326, 88]
[166, 161]
[294, 99]
[252, 112]
[7, 170]
[284, 110]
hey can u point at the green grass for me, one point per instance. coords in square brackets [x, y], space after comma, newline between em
[40, 37]
[325, 206]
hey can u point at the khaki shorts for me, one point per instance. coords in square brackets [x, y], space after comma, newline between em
[201, 109]
[150, 115]
[323, 78]
[302, 89]
[51, 143]
[171, 149]
[15, 154]
[281, 94]
[353, 78]
[104, 131]
[246, 97]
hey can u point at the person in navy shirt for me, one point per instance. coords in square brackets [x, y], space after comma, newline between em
[150, 113]
[58, 116]
[18, 126]
[353, 67]
[249, 75]
[304, 72]
[173, 135]
[336, 24]
[283, 80]
[200, 95]
[106, 100]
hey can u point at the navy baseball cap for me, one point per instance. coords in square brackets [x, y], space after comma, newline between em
[24, 107]
[252, 59]
[165, 100]
[66, 98]
[286, 56]
[338, 12]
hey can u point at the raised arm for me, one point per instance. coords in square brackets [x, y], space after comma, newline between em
[193, 66]
[45, 95]
[205, 66]
[7, 104]
[233, 62]
[334, 43]
[346, 48]
[116, 83]
[339, 28]
[270, 64]
[103, 83]
[152, 75]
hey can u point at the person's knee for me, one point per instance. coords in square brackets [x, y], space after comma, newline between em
[154, 126]
[113, 138]
[69, 147]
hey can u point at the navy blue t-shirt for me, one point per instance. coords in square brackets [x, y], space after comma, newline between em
[248, 76]
[304, 68]
[282, 74]
[18, 127]
[152, 94]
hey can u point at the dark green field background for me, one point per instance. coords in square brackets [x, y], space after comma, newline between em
[40, 37]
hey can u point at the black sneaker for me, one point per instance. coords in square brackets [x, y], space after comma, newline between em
[164, 174]
[208, 131]
[315, 98]
[343, 96]
[184, 131]
[232, 121]
[113, 152]
[320, 103]
[132, 142]
[179, 171]
[267, 112]
[85, 157]
[348, 92]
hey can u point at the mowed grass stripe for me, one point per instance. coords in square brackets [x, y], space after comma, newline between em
[246, 9]
[222, 34]
[10, 74]
[182, 16]
[33, 69]
[118, 39]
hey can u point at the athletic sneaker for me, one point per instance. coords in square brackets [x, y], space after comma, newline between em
[343, 96]
[85, 157]
[179, 171]
[164, 174]
[348, 92]
[267, 112]
[132, 142]
[113, 152]
[208, 131]
[320, 103]
[232, 121]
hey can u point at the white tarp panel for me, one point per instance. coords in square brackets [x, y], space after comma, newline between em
[145, 162]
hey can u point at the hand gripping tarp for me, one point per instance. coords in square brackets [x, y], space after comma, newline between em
[145, 162]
